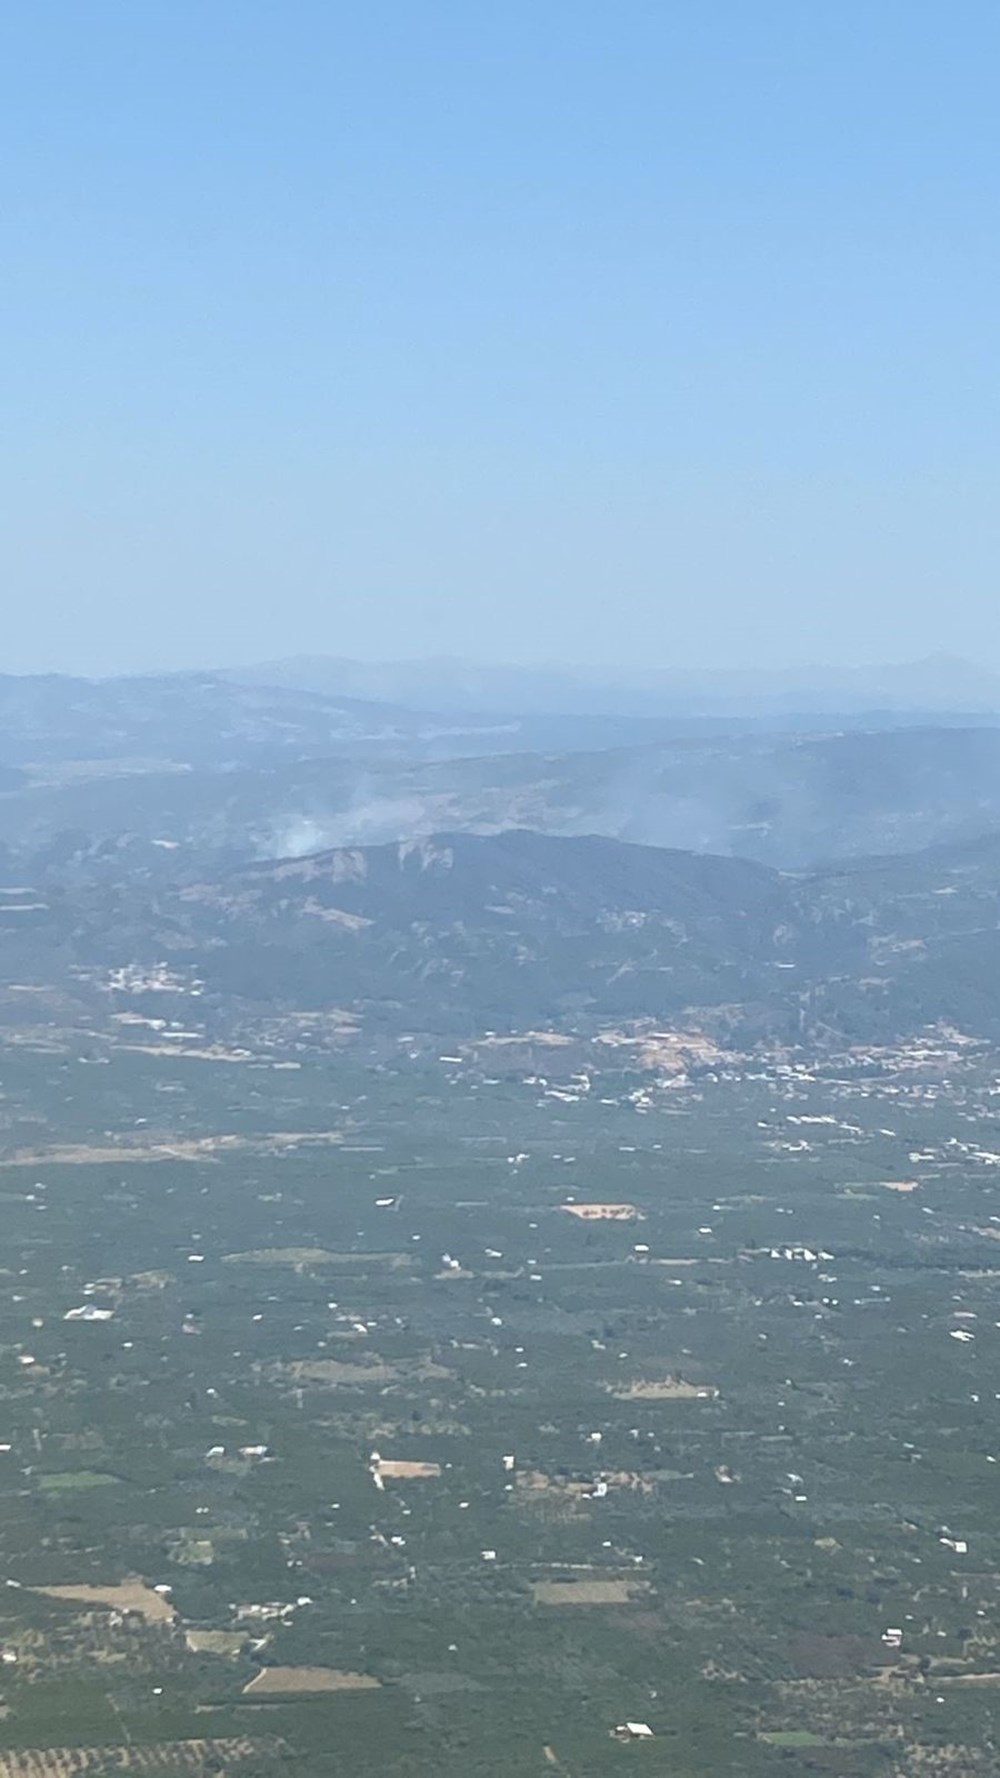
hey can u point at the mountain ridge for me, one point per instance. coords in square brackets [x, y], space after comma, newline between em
[937, 683]
[461, 931]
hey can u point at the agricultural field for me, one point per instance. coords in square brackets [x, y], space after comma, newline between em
[331, 1443]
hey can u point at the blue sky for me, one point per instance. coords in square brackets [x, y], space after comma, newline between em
[654, 331]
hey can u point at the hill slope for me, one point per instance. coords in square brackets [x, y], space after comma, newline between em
[466, 932]
[790, 801]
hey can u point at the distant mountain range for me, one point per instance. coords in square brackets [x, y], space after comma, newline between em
[201, 719]
[225, 720]
[938, 685]
[772, 877]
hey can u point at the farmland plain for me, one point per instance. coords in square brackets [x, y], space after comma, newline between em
[494, 1478]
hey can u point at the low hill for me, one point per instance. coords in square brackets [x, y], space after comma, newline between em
[466, 932]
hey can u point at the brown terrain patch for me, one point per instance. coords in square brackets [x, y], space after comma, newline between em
[280, 1256]
[200, 1148]
[550, 1497]
[666, 1389]
[280, 1682]
[967, 1679]
[629, 1478]
[537, 1488]
[336, 916]
[130, 1595]
[333, 1370]
[602, 1212]
[535, 1481]
[215, 1642]
[151, 1757]
[214, 1053]
[402, 1470]
[587, 1592]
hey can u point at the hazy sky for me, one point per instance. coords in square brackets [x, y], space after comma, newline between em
[655, 331]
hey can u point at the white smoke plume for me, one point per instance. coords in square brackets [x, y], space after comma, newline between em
[367, 821]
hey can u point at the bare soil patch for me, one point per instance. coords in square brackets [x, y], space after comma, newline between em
[967, 1679]
[279, 1682]
[587, 1592]
[334, 1370]
[401, 1469]
[129, 1595]
[281, 1256]
[150, 1758]
[194, 1148]
[602, 1212]
[215, 1642]
[666, 1389]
